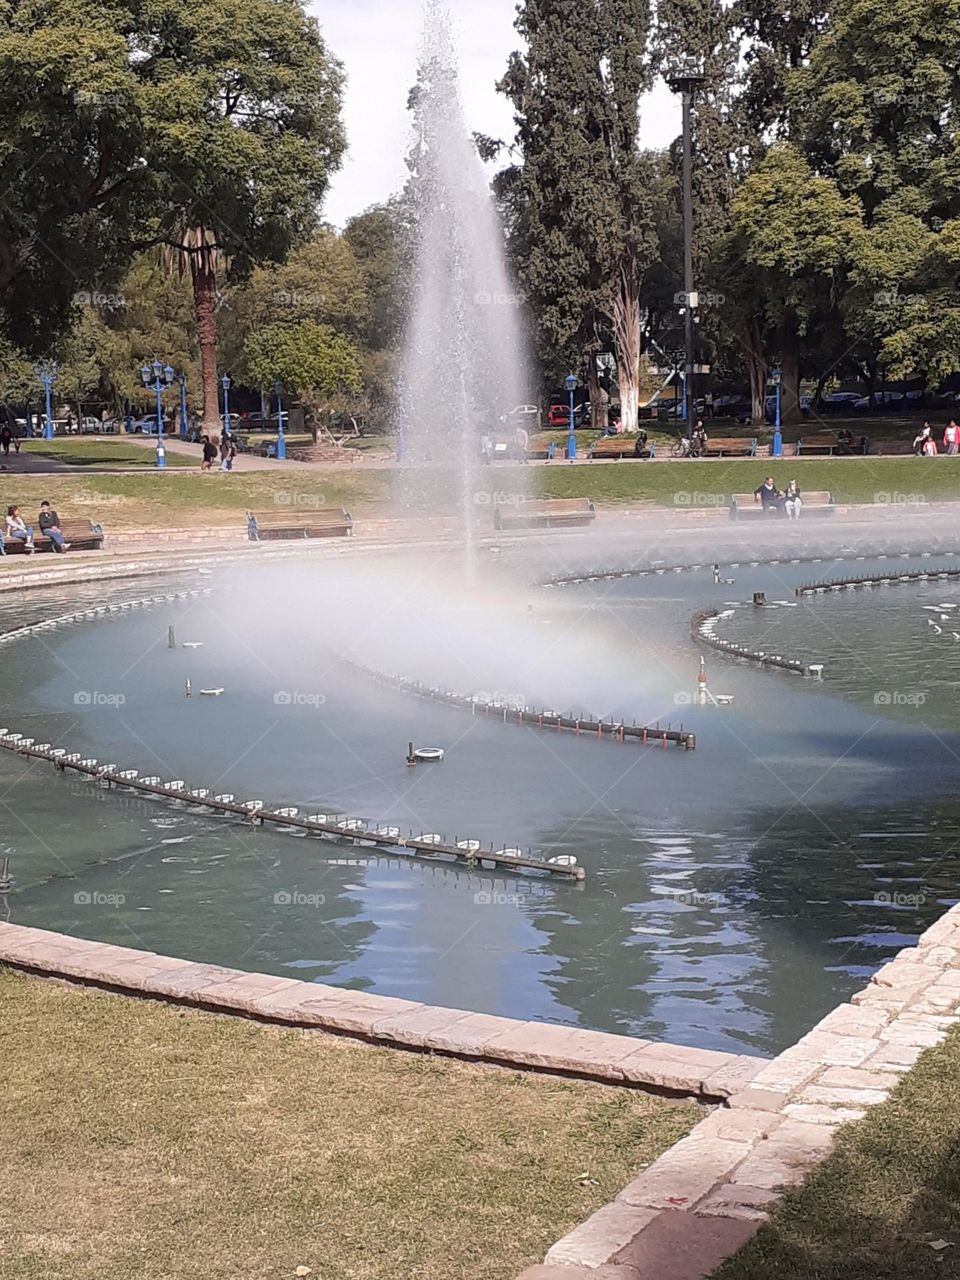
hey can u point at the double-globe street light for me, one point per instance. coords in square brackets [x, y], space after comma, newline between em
[158, 378]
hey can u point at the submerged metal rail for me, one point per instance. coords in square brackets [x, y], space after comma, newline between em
[534, 718]
[351, 830]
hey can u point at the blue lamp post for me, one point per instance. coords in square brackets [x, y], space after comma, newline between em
[281, 438]
[182, 380]
[225, 383]
[572, 438]
[778, 392]
[158, 378]
[46, 374]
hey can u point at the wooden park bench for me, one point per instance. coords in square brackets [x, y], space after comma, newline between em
[83, 535]
[817, 444]
[324, 522]
[620, 447]
[545, 513]
[815, 503]
[887, 447]
[720, 446]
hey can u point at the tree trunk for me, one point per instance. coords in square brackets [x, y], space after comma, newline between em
[628, 335]
[204, 274]
[598, 412]
[790, 367]
[757, 370]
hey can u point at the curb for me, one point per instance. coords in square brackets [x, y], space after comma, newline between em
[703, 1199]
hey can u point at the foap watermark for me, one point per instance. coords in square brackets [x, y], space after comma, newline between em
[101, 301]
[299, 501]
[485, 498]
[484, 299]
[294, 898]
[892, 98]
[95, 98]
[889, 898]
[297, 298]
[692, 898]
[683, 699]
[94, 698]
[698, 301]
[285, 698]
[694, 498]
[894, 499]
[94, 898]
[893, 298]
[512, 701]
[900, 698]
[496, 898]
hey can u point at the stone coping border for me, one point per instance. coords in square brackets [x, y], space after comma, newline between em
[709, 1193]
[668, 1069]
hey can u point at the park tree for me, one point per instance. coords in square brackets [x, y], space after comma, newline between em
[584, 236]
[791, 233]
[878, 102]
[381, 240]
[321, 366]
[243, 118]
[209, 129]
[321, 281]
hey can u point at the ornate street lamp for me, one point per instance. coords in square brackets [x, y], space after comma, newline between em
[158, 378]
[572, 438]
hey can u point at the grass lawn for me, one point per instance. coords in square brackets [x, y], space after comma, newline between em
[890, 1191]
[106, 451]
[143, 1140]
[685, 484]
[191, 499]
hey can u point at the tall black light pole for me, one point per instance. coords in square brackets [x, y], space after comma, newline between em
[684, 80]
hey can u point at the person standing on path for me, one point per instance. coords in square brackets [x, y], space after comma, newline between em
[951, 438]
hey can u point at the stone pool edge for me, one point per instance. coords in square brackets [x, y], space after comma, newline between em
[706, 1075]
[706, 1196]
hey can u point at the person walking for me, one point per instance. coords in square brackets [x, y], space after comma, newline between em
[6, 435]
[49, 523]
[792, 501]
[210, 452]
[951, 438]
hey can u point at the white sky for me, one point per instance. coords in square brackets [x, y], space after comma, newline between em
[377, 42]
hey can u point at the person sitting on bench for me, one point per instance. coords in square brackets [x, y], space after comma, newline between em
[49, 523]
[769, 495]
[640, 448]
[18, 531]
[844, 442]
[792, 501]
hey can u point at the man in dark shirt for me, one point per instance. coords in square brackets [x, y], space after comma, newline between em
[49, 523]
[769, 495]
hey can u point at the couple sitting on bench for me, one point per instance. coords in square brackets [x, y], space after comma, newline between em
[16, 530]
[770, 497]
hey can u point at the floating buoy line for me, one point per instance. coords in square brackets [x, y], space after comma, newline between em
[358, 831]
[533, 717]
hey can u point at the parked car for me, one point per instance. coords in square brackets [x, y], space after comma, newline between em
[558, 415]
[523, 415]
[881, 400]
[90, 425]
[839, 402]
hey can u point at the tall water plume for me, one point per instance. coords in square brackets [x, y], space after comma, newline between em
[464, 365]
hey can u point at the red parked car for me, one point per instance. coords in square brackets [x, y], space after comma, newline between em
[558, 415]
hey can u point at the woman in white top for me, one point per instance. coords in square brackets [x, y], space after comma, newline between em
[17, 530]
[792, 501]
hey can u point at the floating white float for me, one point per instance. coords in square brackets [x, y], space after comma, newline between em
[211, 693]
[428, 755]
